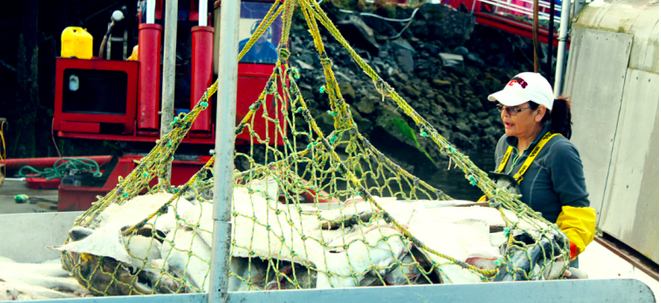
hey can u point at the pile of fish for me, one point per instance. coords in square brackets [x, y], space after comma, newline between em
[287, 246]
[26, 281]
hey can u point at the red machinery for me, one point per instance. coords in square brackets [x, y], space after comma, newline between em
[201, 79]
[120, 100]
[87, 92]
[501, 15]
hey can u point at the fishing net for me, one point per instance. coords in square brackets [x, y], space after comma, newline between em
[310, 209]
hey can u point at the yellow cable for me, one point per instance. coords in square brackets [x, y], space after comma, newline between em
[3, 156]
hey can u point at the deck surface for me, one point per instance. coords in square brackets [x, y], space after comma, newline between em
[40, 203]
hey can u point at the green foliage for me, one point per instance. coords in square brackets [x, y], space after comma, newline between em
[403, 127]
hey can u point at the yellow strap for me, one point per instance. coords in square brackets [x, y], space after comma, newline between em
[535, 151]
[505, 158]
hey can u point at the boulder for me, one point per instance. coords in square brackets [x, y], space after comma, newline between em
[307, 95]
[460, 139]
[489, 141]
[442, 23]
[354, 30]
[404, 59]
[441, 83]
[451, 59]
[366, 105]
[460, 50]
[483, 115]
[347, 91]
[303, 65]
[403, 52]
[364, 125]
[326, 122]
[412, 91]
[462, 127]
[474, 58]
[306, 91]
[401, 77]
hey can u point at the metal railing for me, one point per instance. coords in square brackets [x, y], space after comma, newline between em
[523, 8]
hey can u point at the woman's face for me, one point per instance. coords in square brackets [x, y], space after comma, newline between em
[523, 120]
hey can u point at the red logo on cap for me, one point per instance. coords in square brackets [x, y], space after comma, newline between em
[521, 82]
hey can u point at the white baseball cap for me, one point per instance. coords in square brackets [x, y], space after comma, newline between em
[525, 87]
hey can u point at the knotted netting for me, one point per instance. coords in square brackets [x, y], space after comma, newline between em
[311, 210]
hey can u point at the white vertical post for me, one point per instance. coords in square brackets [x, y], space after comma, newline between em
[151, 11]
[203, 12]
[224, 162]
[108, 43]
[126, 44]
[562, 45]
[169, 61]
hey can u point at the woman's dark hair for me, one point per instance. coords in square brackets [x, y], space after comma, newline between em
[560, 116]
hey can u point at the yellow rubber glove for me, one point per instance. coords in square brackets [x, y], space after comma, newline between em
[578, 223]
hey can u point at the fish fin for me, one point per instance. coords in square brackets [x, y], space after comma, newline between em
[55, 247]
[78, 233]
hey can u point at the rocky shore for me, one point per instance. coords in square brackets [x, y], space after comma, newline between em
[442, 64]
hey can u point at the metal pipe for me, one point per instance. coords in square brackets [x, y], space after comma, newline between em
[535, 33]
[562, 45]
[169, 61]
[549, 53]
[151, 11]
[577, 6]
[16, 179]
[201, 76]
[108, 47]
[203, 12]
[515, 8]
[149, 56]
[126, 44]
[228, 68]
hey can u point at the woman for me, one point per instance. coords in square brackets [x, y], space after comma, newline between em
[537, 132]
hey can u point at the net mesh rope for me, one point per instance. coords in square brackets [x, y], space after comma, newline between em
[347, 234]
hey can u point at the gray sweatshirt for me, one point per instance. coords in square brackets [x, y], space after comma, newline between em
[554, 179]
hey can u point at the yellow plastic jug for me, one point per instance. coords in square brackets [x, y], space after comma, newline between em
[76, 42]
